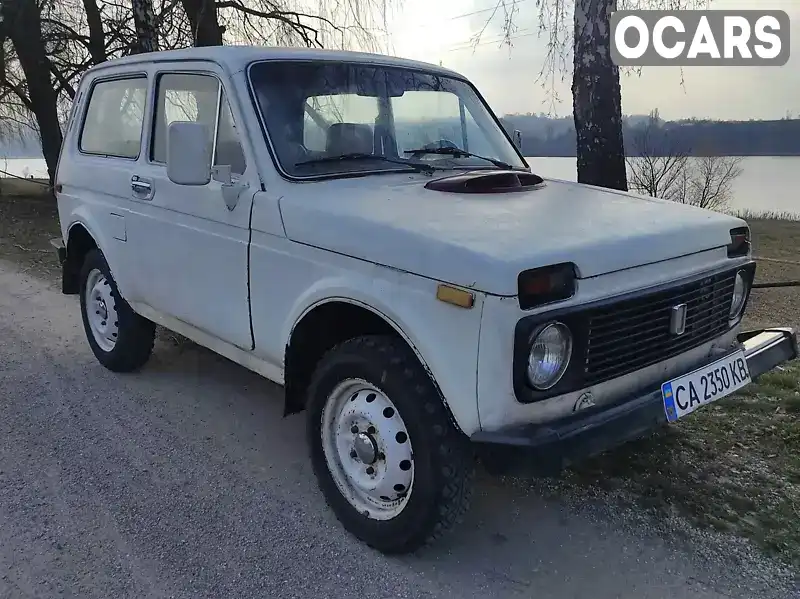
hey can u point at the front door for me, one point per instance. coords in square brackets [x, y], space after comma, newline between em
[191, 249]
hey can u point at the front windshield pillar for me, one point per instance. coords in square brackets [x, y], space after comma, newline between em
[463, 116]
[384, 125]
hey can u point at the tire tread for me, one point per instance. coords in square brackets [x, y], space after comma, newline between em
[453, 456]
[136, 334]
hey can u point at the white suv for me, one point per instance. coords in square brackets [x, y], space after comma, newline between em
[362, 230]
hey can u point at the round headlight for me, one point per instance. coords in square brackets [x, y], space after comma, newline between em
[739, 295]
[551, 349]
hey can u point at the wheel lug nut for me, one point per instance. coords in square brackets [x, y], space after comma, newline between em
[370, 470]
[381, 456]
[371, 430]
[353, 454]
[354, 429]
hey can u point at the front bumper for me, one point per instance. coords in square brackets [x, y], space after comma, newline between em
[547, 448]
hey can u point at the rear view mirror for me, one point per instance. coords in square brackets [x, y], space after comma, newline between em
[518, 139]
[189, 153]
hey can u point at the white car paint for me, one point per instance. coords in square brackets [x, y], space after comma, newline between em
[483, 241]
[187, 262]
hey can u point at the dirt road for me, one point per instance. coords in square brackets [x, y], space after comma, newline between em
[184, 481]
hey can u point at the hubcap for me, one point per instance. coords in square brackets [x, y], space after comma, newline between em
[367, 449]
[101, 311]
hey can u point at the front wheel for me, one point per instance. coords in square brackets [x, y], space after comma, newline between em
[120, 339]
[387, 457]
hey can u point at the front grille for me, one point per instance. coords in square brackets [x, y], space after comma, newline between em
[632, 334]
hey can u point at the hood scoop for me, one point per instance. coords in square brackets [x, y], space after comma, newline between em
[486, 182]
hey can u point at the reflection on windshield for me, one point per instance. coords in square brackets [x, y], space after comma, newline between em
[317, 111]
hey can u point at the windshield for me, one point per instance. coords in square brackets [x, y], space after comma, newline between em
[377, 118]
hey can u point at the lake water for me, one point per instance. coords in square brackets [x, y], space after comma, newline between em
[767, 183]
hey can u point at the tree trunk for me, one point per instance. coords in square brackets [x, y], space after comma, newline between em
[23, 26]
[597, 102]
[97, 36]
[202, 15]
[144, 21]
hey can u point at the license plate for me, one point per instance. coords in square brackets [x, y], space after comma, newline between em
[686, 393]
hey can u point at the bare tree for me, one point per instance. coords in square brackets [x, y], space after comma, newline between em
[334, 23]
[22, 25]
[656, 165]
[204, 22]
[96, 43]
[144, 22]
[597, 102]
[709, 181]
[661, 168]
[46, 46]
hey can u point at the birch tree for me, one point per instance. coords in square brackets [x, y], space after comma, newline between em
[144, 22]
[596, 97]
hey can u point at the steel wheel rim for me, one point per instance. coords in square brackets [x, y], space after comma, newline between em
[101, 310]
[360, 422]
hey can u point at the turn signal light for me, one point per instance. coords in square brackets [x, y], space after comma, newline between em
[454, 295]
[545, 285]
[740, 242]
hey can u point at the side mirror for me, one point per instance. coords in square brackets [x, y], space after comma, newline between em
[189, 153]
[518, 139]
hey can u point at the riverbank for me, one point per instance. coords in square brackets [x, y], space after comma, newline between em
[733, 466]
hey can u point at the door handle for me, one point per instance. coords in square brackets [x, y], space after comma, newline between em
[142, 188]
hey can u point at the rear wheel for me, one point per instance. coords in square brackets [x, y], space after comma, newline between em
[120, 339]
[388, 459]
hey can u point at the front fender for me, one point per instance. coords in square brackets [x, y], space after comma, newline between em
[444, 337]
[84, 217]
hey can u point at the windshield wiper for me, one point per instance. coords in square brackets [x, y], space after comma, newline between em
[416, 166]
[458, 152]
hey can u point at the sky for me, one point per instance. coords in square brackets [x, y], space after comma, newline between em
[441, 31]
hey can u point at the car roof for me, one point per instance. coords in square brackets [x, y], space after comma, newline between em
[236, 58]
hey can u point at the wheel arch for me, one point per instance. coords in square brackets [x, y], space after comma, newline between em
[80, 242]
[81, 238]
[353, 318]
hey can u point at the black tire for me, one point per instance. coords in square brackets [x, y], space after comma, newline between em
[135, 334]
[443, 461]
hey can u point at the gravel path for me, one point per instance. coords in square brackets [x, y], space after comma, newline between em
[184, 481]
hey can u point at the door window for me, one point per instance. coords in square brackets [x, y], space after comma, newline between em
[114, 117]
[196, 98]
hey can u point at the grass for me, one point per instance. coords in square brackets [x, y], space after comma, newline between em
[733, 466]
[28, 220]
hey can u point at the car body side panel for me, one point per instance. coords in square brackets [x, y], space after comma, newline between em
[95, 192]
[288, 279]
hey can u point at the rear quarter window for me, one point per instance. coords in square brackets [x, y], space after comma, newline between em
[115, 118]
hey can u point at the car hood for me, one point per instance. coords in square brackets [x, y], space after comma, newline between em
[484, 240]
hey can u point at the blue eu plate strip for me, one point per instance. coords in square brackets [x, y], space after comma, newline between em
[669, 402]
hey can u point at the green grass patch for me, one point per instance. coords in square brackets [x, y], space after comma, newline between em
[733, 465]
